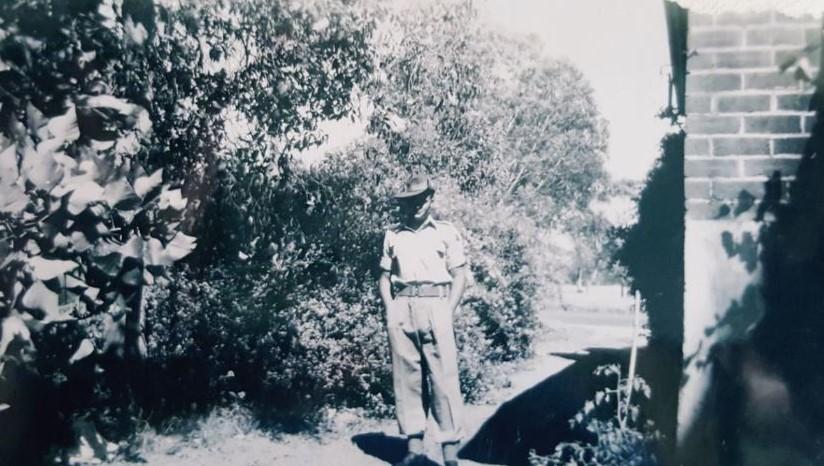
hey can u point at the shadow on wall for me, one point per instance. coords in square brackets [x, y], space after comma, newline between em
[764, 404]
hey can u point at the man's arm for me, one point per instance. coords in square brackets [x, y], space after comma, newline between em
[385, 289]
[458, 286]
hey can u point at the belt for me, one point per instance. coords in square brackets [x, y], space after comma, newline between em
[424, 291]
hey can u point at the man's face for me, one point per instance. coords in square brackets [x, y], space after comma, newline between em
[415, 208]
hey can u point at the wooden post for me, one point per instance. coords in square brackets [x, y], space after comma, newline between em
[633, 354]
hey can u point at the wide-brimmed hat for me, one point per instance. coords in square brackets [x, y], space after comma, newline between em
[415, 185]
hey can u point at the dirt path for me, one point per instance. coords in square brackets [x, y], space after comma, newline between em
[565, 331]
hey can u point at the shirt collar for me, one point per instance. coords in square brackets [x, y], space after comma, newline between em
[428, 222]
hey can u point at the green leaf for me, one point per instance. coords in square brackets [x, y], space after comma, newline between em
[132, 248]
[83, 195]
[79, 242]
[75, 284]
[84, 349]
[40, 168]
[153, 254]
[120, 194]
[47, 269]
[8, 165]
[64, 128]
[132, 115]
[12, 199]
[60, 241]
[12, 328]
[35, 120]
[145, 184]
[172, 199]
[12, 258]
[179, 247]
[109, 263]
[40, 298]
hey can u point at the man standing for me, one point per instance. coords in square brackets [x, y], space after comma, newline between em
[422, 281]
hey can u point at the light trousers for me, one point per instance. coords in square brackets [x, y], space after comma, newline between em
[425, 366]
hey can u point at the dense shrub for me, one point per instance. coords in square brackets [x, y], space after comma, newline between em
[653, 248]
[298, 324]
[282, 292]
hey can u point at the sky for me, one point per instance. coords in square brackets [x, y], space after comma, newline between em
[621, 48]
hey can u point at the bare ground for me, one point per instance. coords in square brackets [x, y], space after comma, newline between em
[598, 317]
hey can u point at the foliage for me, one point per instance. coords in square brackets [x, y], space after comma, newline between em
[188, 117]
[486, 110]
[289, 258]
[113, 113]
[621, 435]
[303, 313]
[653, 249]
[84, 226]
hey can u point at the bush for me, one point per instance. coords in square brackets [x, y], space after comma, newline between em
[620, 435]
[298, 323]
[653, 248]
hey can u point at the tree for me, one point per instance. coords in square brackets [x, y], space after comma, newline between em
[114, 119]
[487, 109]
[83, 222]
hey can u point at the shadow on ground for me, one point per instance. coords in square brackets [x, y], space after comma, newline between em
[384, 447]
[538, 418]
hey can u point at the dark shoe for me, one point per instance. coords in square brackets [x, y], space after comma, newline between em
[451, 463]
[412, 459]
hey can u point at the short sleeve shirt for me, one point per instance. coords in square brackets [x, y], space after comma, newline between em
[424, 255]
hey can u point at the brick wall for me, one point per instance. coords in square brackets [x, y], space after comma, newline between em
[744, 118]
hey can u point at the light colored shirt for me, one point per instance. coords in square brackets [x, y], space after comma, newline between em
[424, 255]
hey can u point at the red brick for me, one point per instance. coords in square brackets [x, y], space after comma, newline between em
[744, 59]
[781, 18]
[744, 18]
[798, 102]
[697, 189]
[775, 36]
[699, 19]
[706, 210]
[766, 166]
[697, 146]
[700, 61]
[772, 124]
[731, 189]
[710, 168]
[713, 125]
[782, 56]
[769, 80]
[742, 103]
[698, 104]
[740, 146]
[789, 145]
[713, 83]
[809, 122]
[715, 38]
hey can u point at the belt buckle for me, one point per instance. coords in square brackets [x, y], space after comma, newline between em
[416, 291]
